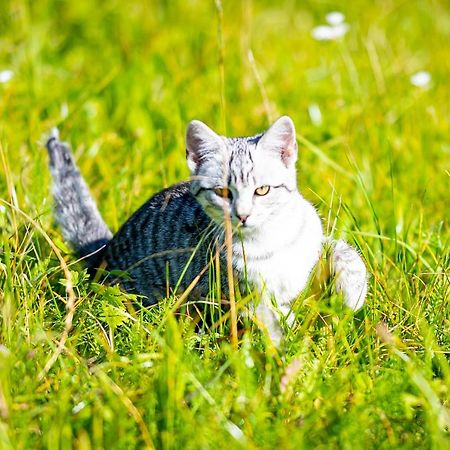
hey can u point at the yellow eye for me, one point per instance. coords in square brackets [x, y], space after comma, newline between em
[223, 192]
[262, 190]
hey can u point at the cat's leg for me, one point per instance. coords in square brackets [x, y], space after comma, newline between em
[350, 274]
[268, 319]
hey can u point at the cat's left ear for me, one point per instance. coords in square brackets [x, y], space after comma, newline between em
[280, 138]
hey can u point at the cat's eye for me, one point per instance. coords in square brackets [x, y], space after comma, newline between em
[262, 190]
[223, 192]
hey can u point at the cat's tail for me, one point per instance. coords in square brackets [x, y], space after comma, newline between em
[75, 210]
[349, 273]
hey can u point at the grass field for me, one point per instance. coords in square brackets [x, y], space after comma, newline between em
[79, 368]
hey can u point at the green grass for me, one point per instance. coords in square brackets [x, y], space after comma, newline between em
[121, 80]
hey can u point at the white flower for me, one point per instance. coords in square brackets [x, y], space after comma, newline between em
[335, 29]
[421, 79]
[315, 114]
[78, 407]
[322, 33]
[329, 33]
[335, 18]
[249, 362]
[6, 75]
[64, 110]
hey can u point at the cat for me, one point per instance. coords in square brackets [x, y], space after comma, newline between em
[277, 237]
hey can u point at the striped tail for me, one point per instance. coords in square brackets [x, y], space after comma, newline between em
[75, 209]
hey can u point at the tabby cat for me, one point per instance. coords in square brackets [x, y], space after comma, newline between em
[277, 237]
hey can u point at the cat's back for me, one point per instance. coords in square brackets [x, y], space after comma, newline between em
[157, 240]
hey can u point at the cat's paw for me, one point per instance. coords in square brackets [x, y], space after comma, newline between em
[350, 274]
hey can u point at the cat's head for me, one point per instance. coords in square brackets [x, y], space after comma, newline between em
[248, 178]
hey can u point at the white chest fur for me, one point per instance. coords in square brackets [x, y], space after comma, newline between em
[280, 258]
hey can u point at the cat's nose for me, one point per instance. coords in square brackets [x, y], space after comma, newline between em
[243, 218]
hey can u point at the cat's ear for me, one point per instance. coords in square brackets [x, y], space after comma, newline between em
[280, 138]
[201, 144]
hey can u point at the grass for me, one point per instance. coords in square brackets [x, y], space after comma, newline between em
[121, 80]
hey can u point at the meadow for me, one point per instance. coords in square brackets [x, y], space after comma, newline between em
[81, 367]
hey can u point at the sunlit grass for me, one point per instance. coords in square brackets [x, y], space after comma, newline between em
[121, 80]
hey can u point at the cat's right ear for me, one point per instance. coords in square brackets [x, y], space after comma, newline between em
[201, 144]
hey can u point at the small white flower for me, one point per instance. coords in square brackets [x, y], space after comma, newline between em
[78, 407]
[421, 79]
[322, 33]
[249, 362]
[335, 18]
[315, 114]
[64, 110]
[6, 75]
[329, 33]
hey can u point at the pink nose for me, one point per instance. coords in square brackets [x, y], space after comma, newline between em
[243, 218]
